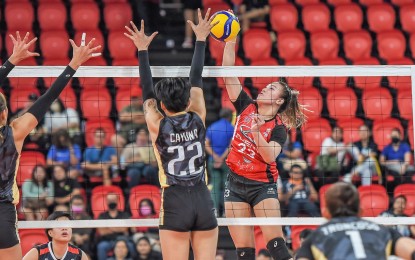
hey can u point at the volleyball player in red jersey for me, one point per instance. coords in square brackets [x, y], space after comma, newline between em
[260, 132]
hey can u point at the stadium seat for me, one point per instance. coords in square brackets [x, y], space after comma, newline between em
[381, 17]
[373, 200]
[117, 15]
[261, 82]
[85, 16]
[218, 7]
[295, 235]
[400, 82]
[97, 34]
[291, 45]
[357, 45]
[391, 45]
[307, 2]
[312, 101]
[407, 17]
[96, 103]
[284, 17]
[20, 97]
[325, 45]
[123, 97]
[225, 101]
[68, 98]
[316, 17]
[333, 82]
[370, 2]
[350, 128]
[30, 238]
[216, 50]
[52, 16]
[411, 133]
[125, 62]
[322, 198]
[366, 82]
[140, 192]
[56, 62]
[99, 199]
[407, 190]
[404, 100]
[54, 45]
[9, 44]
[92, 83]
[412, 44]
[19, 16]
[314, 132]
[270, 2]
[257, 44]
[339, 2]
[21, 83]
[402, 3]
[348, 18]
[377, 103]
[300, 83]
[120, 46]
[92, 125]
[382, 129]
[126, 83]
[96, 61]
[341, 103]
[28, 161]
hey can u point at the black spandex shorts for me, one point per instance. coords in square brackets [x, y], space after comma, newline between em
[192, 4]
[241, 189]
[8, 226]
[187, 208]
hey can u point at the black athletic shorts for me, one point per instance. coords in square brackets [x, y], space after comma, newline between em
[192, 4]
[241, 189]
[187, 208]
[8, 226]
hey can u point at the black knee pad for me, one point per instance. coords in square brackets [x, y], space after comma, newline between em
[278, 249]
[245, 253]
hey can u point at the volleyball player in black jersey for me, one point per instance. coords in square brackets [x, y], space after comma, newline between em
[58, 246]
[347, 236]
[12, 136]
[178, 137]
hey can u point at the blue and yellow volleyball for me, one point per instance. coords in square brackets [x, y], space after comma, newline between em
[228, 27]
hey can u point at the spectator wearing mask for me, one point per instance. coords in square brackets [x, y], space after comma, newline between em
[121, 251]
[61, 118]
[145, 251]
[397, 210]
[65, 188]
[81, 237]
[146, 210]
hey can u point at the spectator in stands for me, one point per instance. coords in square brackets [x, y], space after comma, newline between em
[190, 14]
[60, 118]
[139, 160]
[65, 188]
[131, 118]
[292, 153]
[397, 210]
[299, 193]
[98, 159]
[64, 153]
[81, 237]
[149, 11]
[253, 11]
[109, 235]
[37, 195]
[146, 210]
[61, 208]
[121, 251]
[396, 158]
[218, 139]
[263, 254]
[364, 154]
[145, 251]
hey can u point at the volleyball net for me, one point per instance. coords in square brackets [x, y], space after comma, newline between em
[344, 96]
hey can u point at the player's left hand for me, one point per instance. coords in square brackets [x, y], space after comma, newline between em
[139, 38]
[202, 29]
[21, 48]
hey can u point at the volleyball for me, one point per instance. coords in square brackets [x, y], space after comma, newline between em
[228, 27]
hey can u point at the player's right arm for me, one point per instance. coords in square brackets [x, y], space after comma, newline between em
[33, 254]
[233, 86]
[403, 247]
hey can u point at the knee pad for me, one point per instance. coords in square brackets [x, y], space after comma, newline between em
[245, 253]
[278, 249]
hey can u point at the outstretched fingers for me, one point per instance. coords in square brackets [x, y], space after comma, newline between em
[26, 37]
[207, 15]
[129, 30]
[13, 39]
[32, 42]
[91, 42]
[153, 35]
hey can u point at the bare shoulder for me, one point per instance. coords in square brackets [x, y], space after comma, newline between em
[152, 116]
[31, 255]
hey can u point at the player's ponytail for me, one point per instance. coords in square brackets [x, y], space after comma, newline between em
[291, 111]
[3, 106]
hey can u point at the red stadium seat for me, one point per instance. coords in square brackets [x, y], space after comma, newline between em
[400, 82]
[391, 45]
[291, 45]
[316, 18]
[407, 17]
[373, 200]
[333, 82]
[402, 3]
[411, 133]
[92, 125]
[126, 83]
[28, 161]
[295, 235]
[257, 44]
[125, 62]
[124, 95]
[381, 17]
[377, 103]
[348, 18]
[262, 82]
[350, 129]
[382, 129]
[217, 7]
[312, 101]
[357, 45]
[56, 62]
[117, 15]
[52, 16]
[307, 2]
[339, 2]
[404, 99]
[322, 198]
[284, 17]
[140, 192]
[96, 103]
[212, 2]
[300, 83]
[96, 61]
[314, 132]
[370, 2]
[85, 16]
[68, 98]
[21, 83]
[99, 199]
[20, 97]
[270, 2]
[341, 103]
[54, 45]
[407, 190]
[412, 44]
[325, 45]
[19, 16]
[9, 44]
[97, 34]
[30, 238]
[216, 50]
[120, 46]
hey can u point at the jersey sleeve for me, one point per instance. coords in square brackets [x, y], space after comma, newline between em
[242, 102]
[305, 250]
[395, 235]
[279, 134]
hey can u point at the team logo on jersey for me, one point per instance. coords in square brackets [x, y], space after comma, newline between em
[245, 130]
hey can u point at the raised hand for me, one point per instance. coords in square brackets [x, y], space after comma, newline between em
[139, 38]
[21, 48]
[83, 52]
[202, 29]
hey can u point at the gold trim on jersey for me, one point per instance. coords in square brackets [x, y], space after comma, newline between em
[15, 189]
[317, 253]
[162, 174]
[178, 113]
[161, 215]
[388, 248]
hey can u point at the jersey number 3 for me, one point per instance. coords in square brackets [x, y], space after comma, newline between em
[182, 156]
[357, 244]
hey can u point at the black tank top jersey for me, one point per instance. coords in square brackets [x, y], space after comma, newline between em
[180, 150]
[349, 238]
[9, 162]
[46, 252]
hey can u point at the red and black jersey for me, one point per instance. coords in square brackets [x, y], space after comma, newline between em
[46, 252]
[244, 158]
